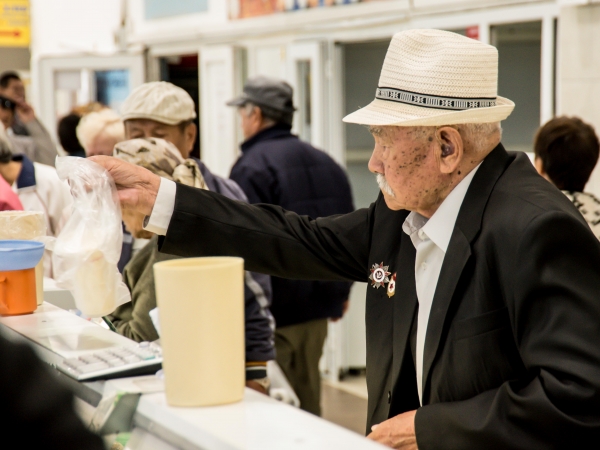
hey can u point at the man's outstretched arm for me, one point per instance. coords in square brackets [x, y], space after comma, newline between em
[270, 239]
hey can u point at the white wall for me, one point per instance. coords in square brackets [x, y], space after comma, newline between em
[176, 27]
[61, 27]
[70, 27]
[579, 68]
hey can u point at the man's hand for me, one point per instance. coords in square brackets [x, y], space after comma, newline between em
[25, 112]
[397, 432]
[137, 186]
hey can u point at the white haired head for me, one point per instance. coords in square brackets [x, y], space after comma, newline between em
[98, 132]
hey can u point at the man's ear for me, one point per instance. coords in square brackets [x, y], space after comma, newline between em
[258, 116]
[449, 149]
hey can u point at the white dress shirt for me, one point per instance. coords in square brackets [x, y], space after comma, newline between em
[431, 238]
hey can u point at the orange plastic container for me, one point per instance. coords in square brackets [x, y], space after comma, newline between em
[17, 292]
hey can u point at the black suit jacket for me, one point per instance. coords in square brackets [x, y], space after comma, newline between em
[36, 409]
[512, 351]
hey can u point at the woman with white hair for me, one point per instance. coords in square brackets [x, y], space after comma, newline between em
[98, 132]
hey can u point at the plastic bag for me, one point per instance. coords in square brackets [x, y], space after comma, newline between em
[88, 248]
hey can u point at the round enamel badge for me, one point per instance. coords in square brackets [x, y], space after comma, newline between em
[379, 275]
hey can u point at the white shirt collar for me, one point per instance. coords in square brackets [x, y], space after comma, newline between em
[441, 225]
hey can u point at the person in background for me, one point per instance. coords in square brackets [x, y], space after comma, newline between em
[21, 120]
[132, 319]
[9, 201]
[278, 168]
[566, 152]
[67, 128]
[98, 132]
[161, 157]
[67, 135]
[38, 188]
[163, 110]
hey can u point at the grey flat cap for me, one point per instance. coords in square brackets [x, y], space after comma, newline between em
[159, 101]
[271, 93]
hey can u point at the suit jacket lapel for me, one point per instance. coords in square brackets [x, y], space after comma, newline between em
[465, 231]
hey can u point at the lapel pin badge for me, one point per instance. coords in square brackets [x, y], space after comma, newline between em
[379, 275]
[391, 289]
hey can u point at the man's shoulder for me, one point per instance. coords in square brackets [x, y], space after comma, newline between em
[521, 195]
[221, 185]
[288, 143]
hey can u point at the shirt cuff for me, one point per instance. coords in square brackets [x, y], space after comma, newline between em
[256, 370]
[158, 221]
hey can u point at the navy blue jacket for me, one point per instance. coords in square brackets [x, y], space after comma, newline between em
[278, 168]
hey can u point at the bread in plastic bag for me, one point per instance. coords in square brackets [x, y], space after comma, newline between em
[88, 248]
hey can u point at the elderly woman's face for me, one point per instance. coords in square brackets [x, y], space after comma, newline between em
[406, 167]
[103, 144]
[134, 223]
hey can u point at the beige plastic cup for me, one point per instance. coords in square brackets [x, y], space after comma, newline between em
[201, 311]
[26, 225]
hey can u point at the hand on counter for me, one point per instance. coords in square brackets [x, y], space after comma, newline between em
[397, 432]
[137, 186]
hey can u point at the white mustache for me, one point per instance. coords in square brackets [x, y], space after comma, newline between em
[384, 186]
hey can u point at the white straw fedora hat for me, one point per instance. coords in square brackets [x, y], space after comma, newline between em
[434, 77]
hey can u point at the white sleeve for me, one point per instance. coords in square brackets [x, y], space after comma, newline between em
[158, 221]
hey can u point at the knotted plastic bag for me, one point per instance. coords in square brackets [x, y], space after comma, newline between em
[88, 248]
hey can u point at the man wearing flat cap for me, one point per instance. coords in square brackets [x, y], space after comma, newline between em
[482, 312]
[162, 110]
[278, 168]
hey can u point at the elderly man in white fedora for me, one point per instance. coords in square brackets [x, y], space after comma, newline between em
[482, 311]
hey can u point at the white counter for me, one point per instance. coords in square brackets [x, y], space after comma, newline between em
[257, 422]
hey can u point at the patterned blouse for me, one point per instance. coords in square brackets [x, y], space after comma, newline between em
[589, 207]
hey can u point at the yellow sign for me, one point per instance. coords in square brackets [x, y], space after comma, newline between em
[14, 23]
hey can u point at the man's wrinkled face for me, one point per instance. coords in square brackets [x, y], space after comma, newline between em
[146, 128]
[407, 171]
